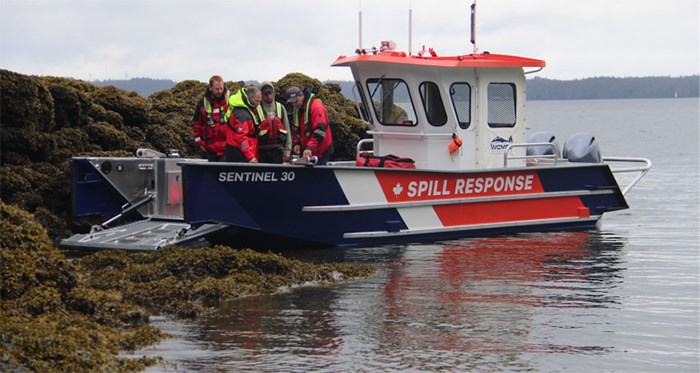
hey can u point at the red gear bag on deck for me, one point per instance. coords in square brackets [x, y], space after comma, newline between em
[387, 161]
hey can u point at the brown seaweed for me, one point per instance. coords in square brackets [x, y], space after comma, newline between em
[76, 315]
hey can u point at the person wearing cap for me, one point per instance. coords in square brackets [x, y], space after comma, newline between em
[311, 127]
[242, 116]
[208, 121]
[274, 137]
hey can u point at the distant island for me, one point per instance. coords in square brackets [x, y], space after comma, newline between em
[537, 88]
[613, 88]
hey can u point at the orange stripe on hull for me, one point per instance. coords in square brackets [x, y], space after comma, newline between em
[497, 212]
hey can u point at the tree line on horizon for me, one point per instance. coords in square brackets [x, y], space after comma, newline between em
[613, 88]
[537, 88]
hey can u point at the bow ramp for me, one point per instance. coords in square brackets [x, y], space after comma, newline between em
[142, 193]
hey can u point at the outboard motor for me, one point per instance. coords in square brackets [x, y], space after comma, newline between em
[582, 147]
[542, 136]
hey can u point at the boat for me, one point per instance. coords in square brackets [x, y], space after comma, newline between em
[458, 120]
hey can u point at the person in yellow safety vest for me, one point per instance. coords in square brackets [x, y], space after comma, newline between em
[274, 137]
[312, 131]
[208, 121]
[241, 138]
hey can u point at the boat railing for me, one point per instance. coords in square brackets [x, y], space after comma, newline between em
[422, 135]
[362, 143]
[641, 170]
[507, 156]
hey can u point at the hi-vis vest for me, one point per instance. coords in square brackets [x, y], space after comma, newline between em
[254, 114]
[262, 114]
[306, 114]
[209, 111]
[271, 130]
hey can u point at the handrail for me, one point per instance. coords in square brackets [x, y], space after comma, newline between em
[409, 134]
[642, 169]
[554, 156]
[363, 142]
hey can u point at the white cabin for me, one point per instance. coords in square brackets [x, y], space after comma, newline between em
[419, 102]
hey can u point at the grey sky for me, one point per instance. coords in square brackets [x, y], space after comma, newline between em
[264, 40]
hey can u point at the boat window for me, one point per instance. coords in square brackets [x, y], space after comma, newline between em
[501, 105]
[362, 107]
[461, 95]
[432, 103]
[391, 102]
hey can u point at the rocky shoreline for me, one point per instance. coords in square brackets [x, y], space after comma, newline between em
[62, 315]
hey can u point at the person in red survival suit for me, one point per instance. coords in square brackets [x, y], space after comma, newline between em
[274, 136]
[311, 128]
[208, 120]
[241, 137]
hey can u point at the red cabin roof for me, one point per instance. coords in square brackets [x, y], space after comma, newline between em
[469, 60]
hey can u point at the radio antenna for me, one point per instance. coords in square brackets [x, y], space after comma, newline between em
[410, 26]
[359, 18]
[473, 30]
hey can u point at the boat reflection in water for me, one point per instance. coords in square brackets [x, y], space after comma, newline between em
[492, 303]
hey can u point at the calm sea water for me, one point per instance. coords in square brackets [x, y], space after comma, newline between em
[622, 298]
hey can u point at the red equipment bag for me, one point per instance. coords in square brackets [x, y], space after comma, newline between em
[387, 161]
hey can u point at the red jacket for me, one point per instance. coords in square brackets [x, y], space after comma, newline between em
[314, 131]
[209, 123]
[242, 122]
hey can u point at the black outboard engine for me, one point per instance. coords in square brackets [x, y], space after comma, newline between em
[582, 147]
[542, 136]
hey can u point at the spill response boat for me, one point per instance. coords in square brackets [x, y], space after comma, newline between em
[460, 119]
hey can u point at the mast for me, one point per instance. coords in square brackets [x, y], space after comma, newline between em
[410, 26]
[473, 27]
[359, 18]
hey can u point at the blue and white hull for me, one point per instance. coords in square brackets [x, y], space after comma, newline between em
[348, 206]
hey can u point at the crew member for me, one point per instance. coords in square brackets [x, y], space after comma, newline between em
[208, 120]
[241, 137]
[311, 127]
[274, 137]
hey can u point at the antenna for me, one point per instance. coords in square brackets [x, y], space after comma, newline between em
[410, 26]
[359, 17]
[473, 36]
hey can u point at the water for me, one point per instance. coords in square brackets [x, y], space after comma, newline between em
[623, 298]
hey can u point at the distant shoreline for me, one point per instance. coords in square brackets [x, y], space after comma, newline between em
[537, 88]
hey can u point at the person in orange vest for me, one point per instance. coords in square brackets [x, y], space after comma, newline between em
[243, 120]
[312, 132]
[208, 120]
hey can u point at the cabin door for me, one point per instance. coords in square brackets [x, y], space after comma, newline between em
[500, 115]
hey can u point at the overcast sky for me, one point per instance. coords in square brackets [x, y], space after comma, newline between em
[266, 39]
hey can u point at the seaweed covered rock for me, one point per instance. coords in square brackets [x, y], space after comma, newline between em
[129, 105]
[39, 185]
[25, 103]
[28, 259]
[72, 105]
[50, 321]
[59, 315]
[186, 282]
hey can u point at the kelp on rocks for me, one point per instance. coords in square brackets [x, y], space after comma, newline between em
[46, 325]
[186, 282]
[60, 315]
